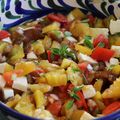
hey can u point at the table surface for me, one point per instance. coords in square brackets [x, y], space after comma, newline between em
[2, 117]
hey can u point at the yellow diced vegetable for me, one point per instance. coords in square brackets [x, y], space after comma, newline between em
[13, 102]
[8, 68]
[66, 63]
[56, 78]
[47, 42]
[44, 64]
[98, 85]
[55, 44]
[27, 67]
[99, 23]
[116, 69]
[38, 47]
[25, 106]
[115, 40]
[51, 27]
[80, 29]
[42, 87]
[113, 91]
[78, 14]
[41, 79]
[83, 49]
[98, 96]
[39, 98]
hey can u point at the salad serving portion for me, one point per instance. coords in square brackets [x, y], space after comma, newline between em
[62, 67]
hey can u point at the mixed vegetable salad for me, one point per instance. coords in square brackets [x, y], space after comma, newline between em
[62, 67]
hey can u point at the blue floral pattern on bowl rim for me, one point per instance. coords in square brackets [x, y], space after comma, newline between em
[14, 12]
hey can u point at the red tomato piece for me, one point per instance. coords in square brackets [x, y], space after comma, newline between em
[83, 66]
[91, 19]
[101, 39]
[102, 54]
[111, 108]
[4, 34]
[55, 108]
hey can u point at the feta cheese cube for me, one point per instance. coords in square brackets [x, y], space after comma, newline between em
[88, 91]
[114, 26]
[8, 40]
[83, 57]
[7, 93]
[2, 82]
[31, 55]
[20, 83]
[116, 49]
[114, 61]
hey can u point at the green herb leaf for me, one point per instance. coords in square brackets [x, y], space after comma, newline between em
[75, 69]
[101, 44]
[69, 104]
[78, 88]
[73, 95]
[88, 42]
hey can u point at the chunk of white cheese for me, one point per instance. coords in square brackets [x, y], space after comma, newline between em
[88, 91]
[31, 55]
[116, 49]
[2, 67]
[86, 116]
[98, 31]
[114, 26]
[8, 40]
[2, 82]
[7, 93]
[83, 57]
[114, 61]
[20, 83]
[71, 39]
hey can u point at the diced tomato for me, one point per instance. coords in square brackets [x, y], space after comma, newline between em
[55, 108]
[82, 101]
[91, 19]
[101, 39]
[102, 54]
[63, 88]
[49, 53]
[8, 78]
[56, 57]
[70, 87]
[63, 95]
[18, 72]
[57, 17]
[111, 108]
[4, 34]
[83, 66]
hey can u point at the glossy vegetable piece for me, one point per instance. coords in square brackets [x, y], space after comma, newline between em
[4, 34]
[113, 90]
[105, 56]
[56, 78]
[98, 85]
[16, 54]
[25, 106]
[38, 47]
[27, 67]
[3, 45]
[39, 98]
[111, 108]
[55, 108]
[116, 69]
[101, 39]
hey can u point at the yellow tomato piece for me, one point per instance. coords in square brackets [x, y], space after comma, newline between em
[98, 96]
[116, 69]
[8, 68]
[113, 91]
[39, 98]
[83, 49]
[98, 85]
[27, 67]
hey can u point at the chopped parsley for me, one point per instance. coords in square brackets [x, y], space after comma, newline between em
[69, 104]
[87, 42]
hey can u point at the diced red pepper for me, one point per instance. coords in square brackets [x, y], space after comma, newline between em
[101, 39]
[102, 54]
[4, 34]
[91, 19]
[81, 102]
[83, 66]
[57, 17]
[49, 53]
[111, 108]
[55, 108]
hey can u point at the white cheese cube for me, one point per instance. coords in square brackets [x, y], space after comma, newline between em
[7, 93]
[114, 61]
[2, 67]
[114, 26]
[116, 49]
[8, 40]
[20, 83]
[2, 82]
[71, 39]
[88, 91]
[86, 116]
[83, 57]
[31, 55]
